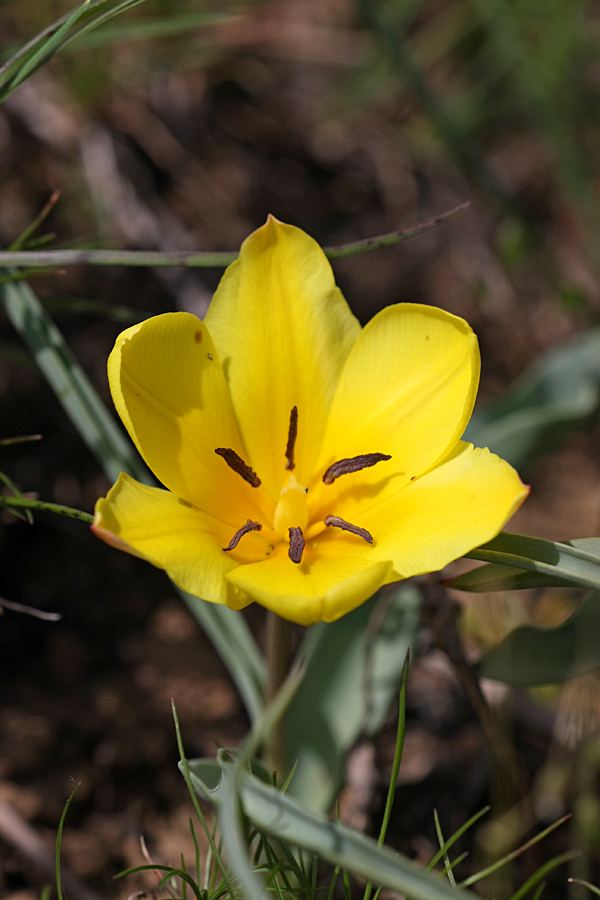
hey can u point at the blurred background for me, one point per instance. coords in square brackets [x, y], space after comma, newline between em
[181, 125]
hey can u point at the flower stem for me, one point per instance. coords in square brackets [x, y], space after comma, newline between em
[278, 664]
[29, 503]
[439, 612]
[193, 258]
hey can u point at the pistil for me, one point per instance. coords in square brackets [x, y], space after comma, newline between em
[291, 516]
[238, 465]
[249, 526]
[336, 522]
[292, 509]
[353, 464]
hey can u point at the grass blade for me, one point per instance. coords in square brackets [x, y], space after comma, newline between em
[396, 763]
[53, 39]
[69, 382]
[478, 876]
[59, 834]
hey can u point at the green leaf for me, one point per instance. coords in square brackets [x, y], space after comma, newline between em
[553, 563]
[353, 673]
[159, 27]
[230, 635]
[559, 393]
[227, 630]
[70, 383]
[46, 49]
[532, 655]
[53, 39]
[502, 578]
[284, 818]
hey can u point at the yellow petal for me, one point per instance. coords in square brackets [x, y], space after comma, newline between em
[322, 588]
[457, 506]
[407, 389]
[283, 331]
[169, 389]
[157, 526]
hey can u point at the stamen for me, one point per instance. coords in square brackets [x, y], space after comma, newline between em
[347, 526]
[292, 435]
[249, 526]
[238, 465]
[296, 545]
[355, 464]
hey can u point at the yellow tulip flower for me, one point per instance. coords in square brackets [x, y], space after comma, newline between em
[306, 461]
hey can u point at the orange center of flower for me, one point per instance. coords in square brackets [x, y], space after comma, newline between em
[291, 513]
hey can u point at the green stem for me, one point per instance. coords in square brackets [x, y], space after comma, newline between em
[31, 229]
[191, 258]
[28, 503]
[278, 664]
[32, 258]
[396, 764]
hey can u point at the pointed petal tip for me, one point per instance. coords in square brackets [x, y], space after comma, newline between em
[267, 235]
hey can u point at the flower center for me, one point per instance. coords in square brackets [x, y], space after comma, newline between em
[292, 509]
[291, 513]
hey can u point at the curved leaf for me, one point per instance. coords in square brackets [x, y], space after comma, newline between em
[557, 394]
[284, 818]
[353, 673]
[532, 562]
[533, 655]
[502, 578]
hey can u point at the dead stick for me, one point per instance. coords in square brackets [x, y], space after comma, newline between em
[439, 614]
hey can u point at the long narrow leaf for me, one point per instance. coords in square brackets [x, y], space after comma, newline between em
[151, 28]
[558, 393]
[337, 844]
[53, 39]
[353, 672]
[70, 383]
[233, 640]
[232, 828]
[557, 563]
[47, 48]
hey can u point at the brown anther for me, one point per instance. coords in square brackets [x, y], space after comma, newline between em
[292, 435]
[354, 464]
[249, 526]
[296, 545]
[336, 522]
[238, 465]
